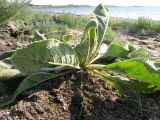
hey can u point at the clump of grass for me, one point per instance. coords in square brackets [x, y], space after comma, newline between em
[147, 26]
[23, 37]
[44, 23]
[58, 32]
[142, 26]
[144, 23]
[51, 29]
[142, 53]
[119, 22]
[38, 17]
[38, 20]
[73, 21]
[110, 36]
[44, 26]
[10, 9]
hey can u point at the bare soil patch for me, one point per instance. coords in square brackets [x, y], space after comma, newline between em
[78, 97]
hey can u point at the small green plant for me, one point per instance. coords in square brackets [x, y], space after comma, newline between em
[46, 59]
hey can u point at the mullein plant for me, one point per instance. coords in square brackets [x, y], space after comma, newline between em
[45, 59]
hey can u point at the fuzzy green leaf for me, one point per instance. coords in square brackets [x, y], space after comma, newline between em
[6, 54]
[43, 54]
[93, 36]
[8, 87]
[7, 71]
[38, 36]
[8, 74]
[129, 87]
[117, 50]
[67, 38]
[157, 64]
[136, 68]
[4, 65]
[4, 89]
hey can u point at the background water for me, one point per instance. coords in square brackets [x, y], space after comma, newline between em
[121, 12]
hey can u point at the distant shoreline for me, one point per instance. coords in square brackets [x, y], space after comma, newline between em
[112, 17]
[133, 12]
[72, 5]
[59, 6]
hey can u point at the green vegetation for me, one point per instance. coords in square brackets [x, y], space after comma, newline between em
[50, 29]
[141, 53]
[37, 17]
[118, 22]
[73, 21]
[44, 23]
[10, 9]
[52, 26]
[111, 36]
[143, 26]
[49, 58]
